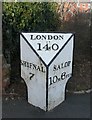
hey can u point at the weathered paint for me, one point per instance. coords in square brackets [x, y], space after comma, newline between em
[59, 76]
[37, 85]
[46, 66]
[47, 55]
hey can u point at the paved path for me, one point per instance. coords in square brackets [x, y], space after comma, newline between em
[75, 106]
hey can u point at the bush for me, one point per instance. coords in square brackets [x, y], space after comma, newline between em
[25, 17]
[42, 17]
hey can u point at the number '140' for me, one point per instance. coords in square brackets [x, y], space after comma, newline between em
[48, 47]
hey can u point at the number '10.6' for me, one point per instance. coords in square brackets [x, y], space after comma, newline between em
[48, 47]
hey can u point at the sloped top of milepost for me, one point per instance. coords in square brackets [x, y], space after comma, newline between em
[47, 45]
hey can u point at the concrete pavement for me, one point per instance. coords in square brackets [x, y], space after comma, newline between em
[75, 106]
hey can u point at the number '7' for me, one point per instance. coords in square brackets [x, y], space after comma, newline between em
[31, 75]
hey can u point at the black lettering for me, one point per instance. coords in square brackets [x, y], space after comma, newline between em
[67, 75]
[38, 68]
[46, 47]
[54, 79]
[27, 64]
[65, 65]
[49, 37]
[62, 37]
[39, 46]
[55, 46]
[21, 62]
[54, 68]
[63, 75]
[56, 37]
[38, 37]
[42, 69]
[30, 65]
[24, 63]
[34, 66]
[50, 80]
[62, 65]
[31, 75]
[43, 37]
[58, 79]
[31, 37]
[68, 63]
[58, 66]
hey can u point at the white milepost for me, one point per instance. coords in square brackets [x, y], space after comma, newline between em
[46, 66]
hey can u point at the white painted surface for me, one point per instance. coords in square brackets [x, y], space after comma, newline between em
[37, 85]
[48, 55]
[56, 91]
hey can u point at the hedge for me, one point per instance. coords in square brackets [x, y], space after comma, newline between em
[25, 17]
